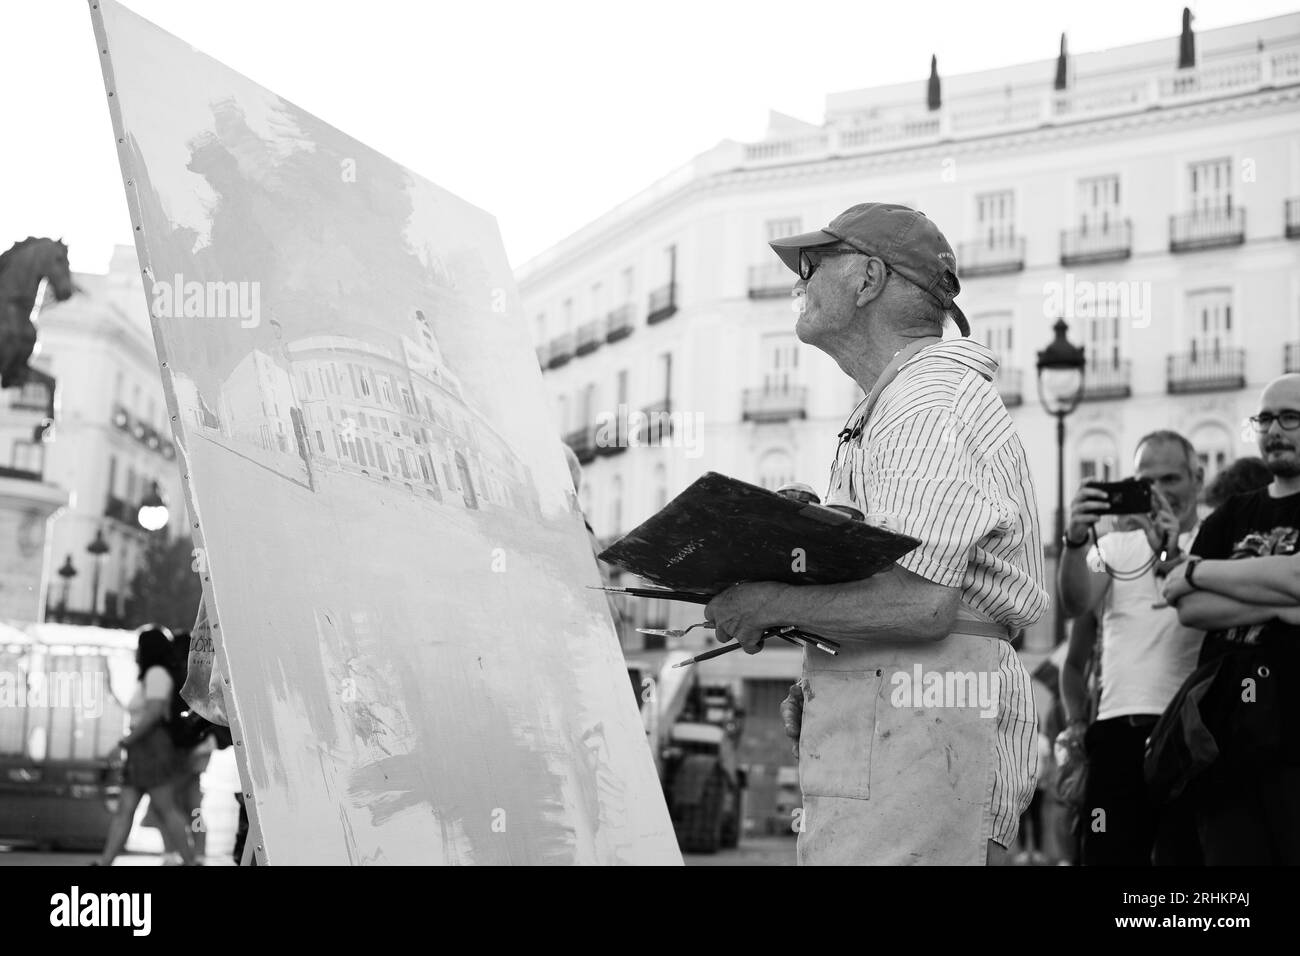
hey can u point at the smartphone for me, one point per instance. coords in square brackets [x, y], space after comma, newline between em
[1132, 496]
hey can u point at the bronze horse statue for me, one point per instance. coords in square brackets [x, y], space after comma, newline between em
[22, 270]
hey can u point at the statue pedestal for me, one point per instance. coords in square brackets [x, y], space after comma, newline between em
[26, 506]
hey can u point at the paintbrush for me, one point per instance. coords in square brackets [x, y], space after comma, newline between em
[663, 594]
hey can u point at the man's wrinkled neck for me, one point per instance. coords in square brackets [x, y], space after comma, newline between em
[868, 362]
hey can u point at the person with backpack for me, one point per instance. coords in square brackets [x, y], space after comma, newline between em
[194, 740]
[151, 759]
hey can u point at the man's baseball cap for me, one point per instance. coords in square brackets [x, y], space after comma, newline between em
[910, 243]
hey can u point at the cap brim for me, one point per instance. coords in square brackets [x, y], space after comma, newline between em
[788, 248]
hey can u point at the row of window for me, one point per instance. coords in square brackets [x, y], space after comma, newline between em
[1208, 327]
[590, 402]
[604, 296]
[1099, 457]
[1098, 206]
[1210, 216]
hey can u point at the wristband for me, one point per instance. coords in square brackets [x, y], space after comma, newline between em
[1191, 569]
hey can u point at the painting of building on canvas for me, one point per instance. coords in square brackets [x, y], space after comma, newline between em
[392, 549]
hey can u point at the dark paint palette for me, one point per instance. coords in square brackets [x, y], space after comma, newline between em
[721, 531]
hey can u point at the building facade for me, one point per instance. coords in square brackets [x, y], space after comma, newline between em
[112, 439]
[1154, 208]
[28, 499]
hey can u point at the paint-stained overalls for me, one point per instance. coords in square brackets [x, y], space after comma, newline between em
[888, 777]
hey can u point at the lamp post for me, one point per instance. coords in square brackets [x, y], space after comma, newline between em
[99, 548]
[153, 513]
[1060, 387]
[67, 572]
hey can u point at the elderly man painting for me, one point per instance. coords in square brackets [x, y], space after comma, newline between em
[899, 762]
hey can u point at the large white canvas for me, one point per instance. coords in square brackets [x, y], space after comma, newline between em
[418, 672]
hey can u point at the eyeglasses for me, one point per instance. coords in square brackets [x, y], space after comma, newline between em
[1289, 421]
[809, 261]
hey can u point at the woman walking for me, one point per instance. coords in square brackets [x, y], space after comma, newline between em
[152, 765]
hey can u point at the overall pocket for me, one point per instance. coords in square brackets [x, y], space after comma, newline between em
[838, 733]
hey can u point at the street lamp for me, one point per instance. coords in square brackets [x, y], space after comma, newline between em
[67, 572]
[153, 513]
[99, 548]
[1060, 387]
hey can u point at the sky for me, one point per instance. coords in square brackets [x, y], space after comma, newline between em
[545, 113]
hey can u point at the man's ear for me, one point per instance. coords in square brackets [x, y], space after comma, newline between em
[871, 277]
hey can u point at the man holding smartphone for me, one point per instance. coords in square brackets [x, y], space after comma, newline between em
[1146, 651]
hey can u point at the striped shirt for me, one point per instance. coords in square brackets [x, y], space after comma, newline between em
[939, 459]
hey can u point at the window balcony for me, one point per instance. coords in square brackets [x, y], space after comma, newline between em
[618, 324]
[657, 424]
[34, 396]
[663, 303]
[770, 280]
[1293, 218]
[612, 432]
[1206, 371]
[589, 337]
[1110, 243]
[995, 254]
[582, 441]
[1010, 383]
[561, 350]
[1291, 359]
[1107, 380]
[119, 510]
[614, 442]
[774, 403]
[1207, 229]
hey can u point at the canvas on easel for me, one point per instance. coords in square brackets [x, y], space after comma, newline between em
[388, 537]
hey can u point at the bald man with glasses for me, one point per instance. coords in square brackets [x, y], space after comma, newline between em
[1242, 586]
[918, 743]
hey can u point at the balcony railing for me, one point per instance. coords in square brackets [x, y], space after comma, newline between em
[1206, 371]
[995, 254]
[1107, 380]
[1010, 386]
[875, 130]
[582, 441]
[770, 280]
[657, 424]
[589, 337]
[1293, 218]
[119, 510]
[1207, 229]
[561, 350]
[612, 439]
[663, 303]
[20, 473]
[1291, 359]
[618, 324]
[33, 396]
[774, 403]
[1109, 243]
